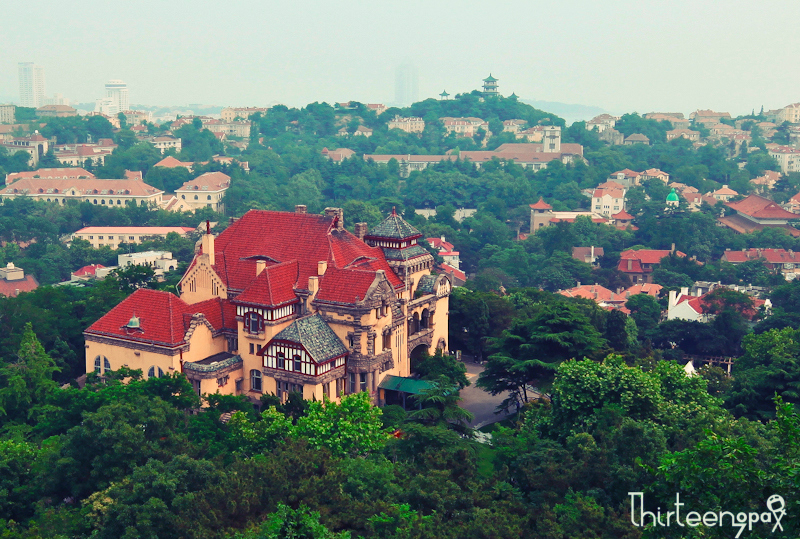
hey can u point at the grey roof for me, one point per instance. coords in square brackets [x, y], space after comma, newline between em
[394, 227]
[404, 254]
[315, 336]
[426, 284]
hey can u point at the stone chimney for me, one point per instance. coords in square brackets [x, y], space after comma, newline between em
[313, 286]
[361, 230]
[208, 246]
[684, 290]
[672, 249]
[322, 267]
[673, 298]
[337, 214]
[300, 208]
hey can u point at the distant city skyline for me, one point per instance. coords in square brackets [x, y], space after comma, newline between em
[657, 58]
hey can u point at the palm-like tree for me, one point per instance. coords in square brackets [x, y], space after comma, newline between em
[440, 407]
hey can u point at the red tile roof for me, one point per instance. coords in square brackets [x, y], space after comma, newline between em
[210, 181]
[450, 270]
[273, 287]
[760, 208]
[771, 256]
[163, 317]
[541, 205]
[51, 173]
[171, 162]
[628, 173]
[345, 285]
[440, 244]
[623, 216]
[644, 288]
[13, 288]
[284, 237]
[644, 256]
[87, 270]
[84, 187]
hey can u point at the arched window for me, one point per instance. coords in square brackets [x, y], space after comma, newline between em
[95, 201]
[195, 197]
[106, 364]
[102, 201]
[253, 323]
[183, 197]
[255, 380]
[209, 197]
[155, 371]
[298, 364]
[97, 364]
[119, 202]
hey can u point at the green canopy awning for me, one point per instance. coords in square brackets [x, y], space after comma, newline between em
[404, 385]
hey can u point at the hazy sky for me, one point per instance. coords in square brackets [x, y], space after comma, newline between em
[675, 55]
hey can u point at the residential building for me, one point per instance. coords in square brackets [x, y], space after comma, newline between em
[446, 251]
[708, 116]
[757, 213]
[780, 261]
[409, 125]
[51, 174]
[160, 261]
[13, 281]
[229, 114]
[165, 142]
[101, 192]
[377, 108]
[588, 255]
[408, 163]
[787, 157]
[137, 117]
[490, 86]
[113, 120]
[513, 126]
[654, 174]
[789, 113]
[532, 134]
[283, 302]
[55, 111]
[601, 123]
[675, 118]
[700, 308]
[724, 194]
[171, 162]
[339, 154]
[636, 138]
[7, 113]
[464, 127]
[626, 178]
[793, 204]
[639, 265]
[688, 134]
[767, 181]
[608, 299]
[457, 277]
[237, 128]
[205, 191]
[459, 215]
[31, 85]
[86, 273]
[36, 145]
[78, 155]
[608, 202]
[542, 215]
[112, 236]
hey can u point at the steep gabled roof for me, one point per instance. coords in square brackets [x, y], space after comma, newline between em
[273, 287]
[313, 334]
[163, 318]
[345, 285]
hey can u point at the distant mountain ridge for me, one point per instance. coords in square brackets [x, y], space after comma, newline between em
[570, 112]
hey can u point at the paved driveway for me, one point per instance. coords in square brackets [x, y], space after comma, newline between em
[479, 402]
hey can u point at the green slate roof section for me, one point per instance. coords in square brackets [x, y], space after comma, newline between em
[315, 336]
[404, 385]
[394, 227]
[426, 284]
[490, 78]
[404, 254]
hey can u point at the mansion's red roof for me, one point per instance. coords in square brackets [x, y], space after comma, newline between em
[273, 287]
[12, 288]
[163, 317]
[283, 237]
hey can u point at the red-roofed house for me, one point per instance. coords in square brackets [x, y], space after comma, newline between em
[607, 202]
[684, 306]
[724, 194]
[86, 272]
[626, 177]
[639, 265]
[96, 191]
[51, 174]
[446, 251]
[589, 255]
[655, 174]
[13, 281]
[282, 302]
[767, 181]
[757, 213]
[171, 162]
[777, 260]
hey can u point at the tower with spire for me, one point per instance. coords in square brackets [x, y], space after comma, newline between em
[490, 86]
[398, 241]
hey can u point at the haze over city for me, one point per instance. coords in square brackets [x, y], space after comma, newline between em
[619, 56]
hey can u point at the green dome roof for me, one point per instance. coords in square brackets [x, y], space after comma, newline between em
[673, 196]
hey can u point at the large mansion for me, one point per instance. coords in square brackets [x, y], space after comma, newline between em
[283, 302]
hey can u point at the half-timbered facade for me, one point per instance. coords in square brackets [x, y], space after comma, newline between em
[283, 302]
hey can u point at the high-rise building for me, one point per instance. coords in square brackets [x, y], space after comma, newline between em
[406, 89]
[117, 93]
[31, 85]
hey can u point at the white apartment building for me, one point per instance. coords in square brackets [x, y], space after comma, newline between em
[112, 236]
[31, 85]
[608, 202]
[7, 114]
[229, 114]
[787, 157]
